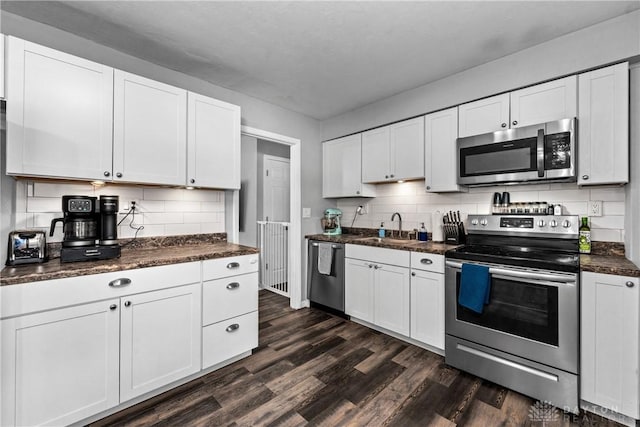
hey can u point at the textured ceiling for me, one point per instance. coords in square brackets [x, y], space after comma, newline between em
[319, 58]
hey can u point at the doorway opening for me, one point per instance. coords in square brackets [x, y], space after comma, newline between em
[267, 212]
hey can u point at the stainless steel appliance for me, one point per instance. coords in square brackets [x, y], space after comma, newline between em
[526, 337]
[326, 289]
[26, 247]
[541, 152]
[89, 234]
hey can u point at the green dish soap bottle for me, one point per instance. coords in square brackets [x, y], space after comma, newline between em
[585, 236]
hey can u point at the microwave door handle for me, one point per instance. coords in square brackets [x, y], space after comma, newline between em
[540, 153]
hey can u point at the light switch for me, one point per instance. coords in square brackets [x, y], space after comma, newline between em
[306, 212]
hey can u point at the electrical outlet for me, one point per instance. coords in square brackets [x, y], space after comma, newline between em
[595, 208]
[126, 205]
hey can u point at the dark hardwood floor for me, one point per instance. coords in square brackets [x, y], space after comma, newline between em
[313, 368]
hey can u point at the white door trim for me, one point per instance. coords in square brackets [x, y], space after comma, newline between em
[295, 228]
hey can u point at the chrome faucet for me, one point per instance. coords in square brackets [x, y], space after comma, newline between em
[393, 217]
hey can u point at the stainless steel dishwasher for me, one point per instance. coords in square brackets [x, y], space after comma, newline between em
[326, 290]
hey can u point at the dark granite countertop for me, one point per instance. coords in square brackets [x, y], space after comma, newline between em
[607, 258]
[389, 243]
[153, 252]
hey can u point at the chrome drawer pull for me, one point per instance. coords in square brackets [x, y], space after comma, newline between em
[233, 265]
[426, 261]
[233, 285]
[120, 282]
[233, 327]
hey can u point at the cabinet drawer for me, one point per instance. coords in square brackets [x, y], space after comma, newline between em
[231, 266]
[224, 340]
[379, 255]
[229, 297]
[427, 262]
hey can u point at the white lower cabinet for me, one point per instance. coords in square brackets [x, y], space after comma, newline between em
[376, 292]
[609, 350]
[160, 339]
[427, 299]
[60, 366]
[224, 340]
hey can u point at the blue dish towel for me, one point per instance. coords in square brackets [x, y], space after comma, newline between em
[475, 285]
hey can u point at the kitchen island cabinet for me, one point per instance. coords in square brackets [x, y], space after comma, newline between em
[610, 307]
[60, 115]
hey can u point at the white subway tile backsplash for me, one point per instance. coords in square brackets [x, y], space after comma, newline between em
[418, 207]
[160, 210]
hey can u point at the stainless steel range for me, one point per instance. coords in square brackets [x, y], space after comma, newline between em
[525, 336]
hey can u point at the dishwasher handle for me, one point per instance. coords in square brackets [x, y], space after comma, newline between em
[332, 246]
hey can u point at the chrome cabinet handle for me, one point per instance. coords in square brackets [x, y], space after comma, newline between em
[515, 122]
[392, 175]
[426, 261]
[233, 285]
[585, 176]
[370, 265]
[428, 187]
[233, 327]
[386, 177]
[118, 283]
[357, 192]
[113, 307]
[192, 181]
[127, 303]
[629, 284]
[119, 174]
[107, 173]
[413, 273]
[504, 125]
[233, 265]
[376, 266]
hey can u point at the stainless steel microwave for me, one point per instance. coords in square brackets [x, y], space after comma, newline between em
[541, 152]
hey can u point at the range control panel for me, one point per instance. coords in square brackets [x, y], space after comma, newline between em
[565, 226]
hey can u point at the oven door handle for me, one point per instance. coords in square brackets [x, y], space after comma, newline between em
[540, 153]
[560, 278]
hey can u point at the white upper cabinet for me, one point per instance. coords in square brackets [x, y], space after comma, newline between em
[483, 116]
[213, 143]
[440, 156]
[341, 168]
[545, 102]
[394, 152]
[2, 39]
[59, 117]
[541, 103]
[603, 126]
[149, 131]
[609, 364]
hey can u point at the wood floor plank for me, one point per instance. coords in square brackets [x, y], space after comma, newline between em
[313, 368]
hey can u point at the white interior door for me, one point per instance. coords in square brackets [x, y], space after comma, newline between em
[275, 188]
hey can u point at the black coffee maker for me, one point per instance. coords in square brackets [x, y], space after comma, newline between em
[90, 229]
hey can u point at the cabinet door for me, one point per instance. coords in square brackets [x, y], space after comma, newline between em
[427, 308]
[391, 298]
[440, 155]
[2, 39]
[213, 143]
[149, 131]
[358, 289]
[160, 339]
[406, 152]
[609, 342]
[341, 168]
[60, 366]
[375, 155]
[545, 102]
[603, 126]
[483, 116]
[59, 118]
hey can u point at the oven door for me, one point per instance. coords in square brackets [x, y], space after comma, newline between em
[531, 313]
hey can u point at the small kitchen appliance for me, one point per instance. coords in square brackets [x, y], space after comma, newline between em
[26, 247]
[331, 222]
[89, 233]
[543, 152]
[525, 335]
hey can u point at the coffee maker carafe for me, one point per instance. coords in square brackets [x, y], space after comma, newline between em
[90, 228]
[331, 222]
